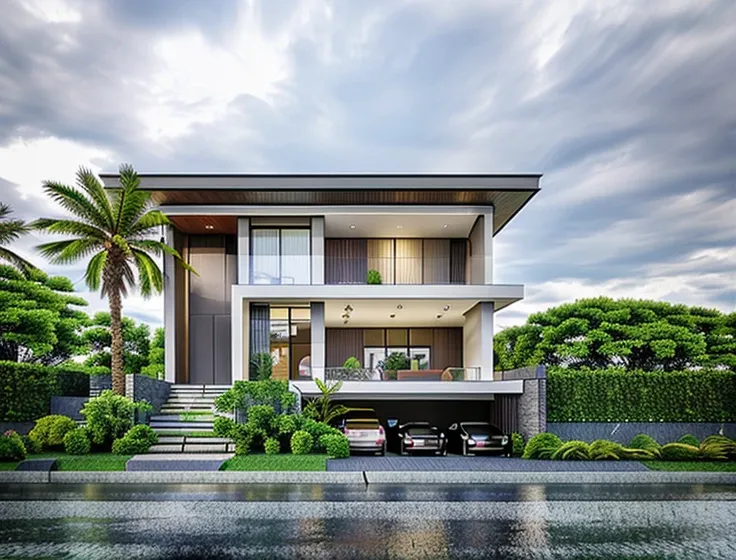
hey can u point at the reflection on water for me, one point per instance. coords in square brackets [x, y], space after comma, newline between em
[510, 522]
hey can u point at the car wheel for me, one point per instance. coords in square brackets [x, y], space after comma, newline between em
[402, 450]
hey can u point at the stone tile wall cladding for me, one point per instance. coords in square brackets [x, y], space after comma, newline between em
[144, 388]
[68, 406]
[533, 401]
[99, 383]
[663, 432]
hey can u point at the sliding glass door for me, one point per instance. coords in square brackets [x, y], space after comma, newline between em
[280, 256]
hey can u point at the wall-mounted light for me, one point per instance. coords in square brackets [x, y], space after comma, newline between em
[439, 315]
[392, 315]
[399, 306]
[446, 308]
[345, 322]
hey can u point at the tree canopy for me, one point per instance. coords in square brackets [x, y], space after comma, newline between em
[10, 230]
[637, 334]
[136, 343]
[40, 319]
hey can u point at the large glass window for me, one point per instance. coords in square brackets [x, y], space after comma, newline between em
[413, 343]
[290, 342]
[280, 256]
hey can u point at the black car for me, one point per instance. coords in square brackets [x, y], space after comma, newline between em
[470, 438]
[421, 437]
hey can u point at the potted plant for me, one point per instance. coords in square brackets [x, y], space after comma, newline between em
[393, 362]
[374, 277]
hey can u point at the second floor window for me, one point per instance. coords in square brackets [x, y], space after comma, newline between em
[280, 256]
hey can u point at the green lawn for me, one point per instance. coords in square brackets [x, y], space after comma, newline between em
[91, 462]
[284, 462]
[709, 466]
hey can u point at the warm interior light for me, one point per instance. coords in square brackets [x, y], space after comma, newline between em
[352, 226]
[399, 227]
[445, 225]
[446, 307]
[208, 226]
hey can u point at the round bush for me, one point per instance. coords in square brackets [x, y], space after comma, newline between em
[287, 424]
[243, 436]
[336, 445]
[11, 447]
[317, 430]
[222, 426]
[542, 446]
[49, 431]
[139, 439]
[272, 446]
[301, 442]
[77, 442]
[572, 451]
[680, 452]
[634, 454]
[518, 445]
[689, 439]
[604, 450]
[110, 416]
[261, 417]
[643, 441]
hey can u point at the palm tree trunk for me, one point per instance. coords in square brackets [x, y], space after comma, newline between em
[116, 347]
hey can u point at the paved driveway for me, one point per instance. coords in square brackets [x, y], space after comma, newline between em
[459, 463]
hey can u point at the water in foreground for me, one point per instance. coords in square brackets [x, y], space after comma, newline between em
[379, 521]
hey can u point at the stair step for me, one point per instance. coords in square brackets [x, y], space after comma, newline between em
[177, 418]
[159, 448]
[190, 426]
[217, 448]
[171, 440]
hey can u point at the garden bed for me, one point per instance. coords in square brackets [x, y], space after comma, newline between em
[704, 466]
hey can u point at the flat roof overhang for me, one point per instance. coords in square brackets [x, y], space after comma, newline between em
[417, 390]
[501, 295]
[507, 193]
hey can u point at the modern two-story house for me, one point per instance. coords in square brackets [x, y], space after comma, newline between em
[316, 269]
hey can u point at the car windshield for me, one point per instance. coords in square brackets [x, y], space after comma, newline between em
[360, 414]
[482, 430]
[362, 424]
[421, 430]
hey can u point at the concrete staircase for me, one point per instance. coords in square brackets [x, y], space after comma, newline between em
[190, 408]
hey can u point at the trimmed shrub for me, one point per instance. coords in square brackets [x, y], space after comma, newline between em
[634, 454]
[139, 439]
[261, 366]
[572, 451]
[680, 452]
[604, 450]
[712, 446]
[287, 424]
[110, 416]
[243, 436]
[374, 277]
[77, 442]
[317, 430]
[11, 447]
[272, 446]
[301, 442]
[50, 430]
[689, 440]
[245, 394]
[643, 441]
[620, 395]
[517, 441]
[542, 446]
[261, 417]
[222, 426]
[336, 445]
[32, 444]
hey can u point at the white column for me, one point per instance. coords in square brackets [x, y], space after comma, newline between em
[478, 339]
[488, 247]
[240, 323]
[169, 311]
[243, 251]
[317, 333]
[318, 250]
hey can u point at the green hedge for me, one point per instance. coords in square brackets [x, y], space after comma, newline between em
[26, 389]
[617, 395]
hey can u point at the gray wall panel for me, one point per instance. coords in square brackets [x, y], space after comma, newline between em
[201, 352]
[222, 344]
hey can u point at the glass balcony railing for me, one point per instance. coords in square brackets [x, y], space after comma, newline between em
[393, 270]
[375, 374]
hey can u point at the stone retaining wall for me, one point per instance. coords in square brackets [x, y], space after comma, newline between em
[68, 406]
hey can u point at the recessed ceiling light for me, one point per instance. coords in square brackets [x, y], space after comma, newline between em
[352, 226]
[208, 226]
[446, 307]
[439, 315]
[399, 227]
[392, 315]
[445, 225]
[399, 306]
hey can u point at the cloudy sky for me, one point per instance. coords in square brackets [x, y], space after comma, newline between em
[627, 107]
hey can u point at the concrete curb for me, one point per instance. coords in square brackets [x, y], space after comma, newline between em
[364, 478]
[490, 477]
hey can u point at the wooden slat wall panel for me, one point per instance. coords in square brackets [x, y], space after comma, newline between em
[346, 261]
[436, 261]
[381, 258]
[458, 261]
[408, 261]
[505, 412]
[447, 348]
[341, 344]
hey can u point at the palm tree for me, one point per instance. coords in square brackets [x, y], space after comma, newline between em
[115, 228]
[10, 230]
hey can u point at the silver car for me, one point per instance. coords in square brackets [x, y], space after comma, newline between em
[364, 431]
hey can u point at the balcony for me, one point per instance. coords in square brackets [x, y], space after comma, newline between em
[374, 374]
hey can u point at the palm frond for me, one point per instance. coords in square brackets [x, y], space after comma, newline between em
[68, 250]
[149, 274]
[157, 248]
[70, 227]
[16, 260]
[75, 202]
[4, 210]
[87, 181]
[146, 224]
[95, 269]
